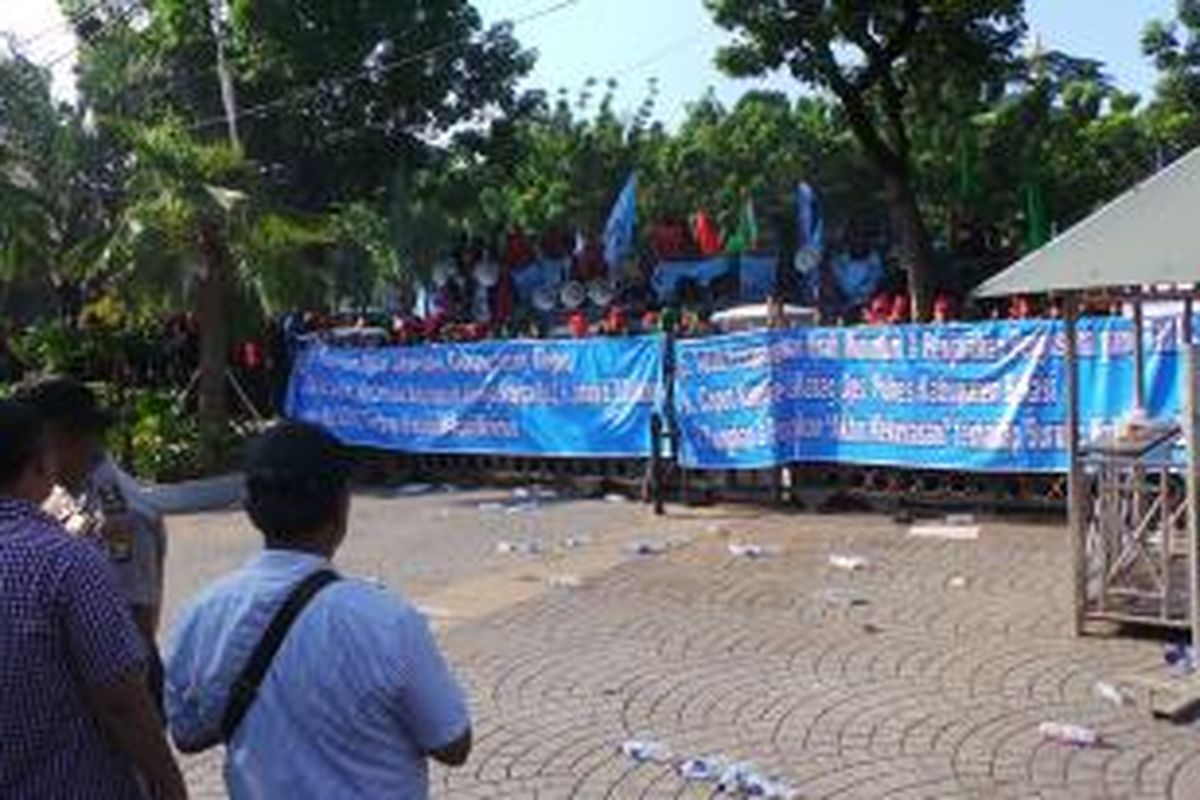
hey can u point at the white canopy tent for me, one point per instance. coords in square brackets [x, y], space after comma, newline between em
[1148, 236]
[1145, 244]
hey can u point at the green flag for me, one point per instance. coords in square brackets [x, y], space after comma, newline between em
[1037, 226]
[746, 236]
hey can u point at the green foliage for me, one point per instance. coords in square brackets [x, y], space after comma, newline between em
[53, 347]
[177, 188]
[157, 439]
[164, 441]
[1175, 49]
[106, 337]
[271, 267]
[55, 181]
[373, 82]
[377, 135]
[761, 148]
[561, 165]
[887, 63]
[881, 60]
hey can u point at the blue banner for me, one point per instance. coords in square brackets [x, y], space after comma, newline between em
[757, 277]
[669, 274]
[590, 398]
[981, 397]
[531, 277]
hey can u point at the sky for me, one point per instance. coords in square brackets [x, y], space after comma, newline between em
[674, 41]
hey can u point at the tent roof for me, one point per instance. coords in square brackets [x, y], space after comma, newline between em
[1149, 235]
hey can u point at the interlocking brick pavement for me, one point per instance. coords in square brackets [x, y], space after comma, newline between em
[921, 688]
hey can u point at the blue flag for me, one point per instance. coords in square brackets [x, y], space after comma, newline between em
[618, 233]
[809, 219]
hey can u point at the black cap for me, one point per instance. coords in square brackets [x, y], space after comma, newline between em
[65, 401]
[293, 455]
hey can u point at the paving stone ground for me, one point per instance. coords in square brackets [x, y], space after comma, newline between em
[897, 681]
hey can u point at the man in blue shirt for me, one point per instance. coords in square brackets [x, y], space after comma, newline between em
[357, 698]
[75, 717]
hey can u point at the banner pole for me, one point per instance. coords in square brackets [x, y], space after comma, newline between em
[1076, 521]
[656, 487]
[672, 422]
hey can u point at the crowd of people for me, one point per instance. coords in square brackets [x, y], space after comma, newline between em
[318, 685]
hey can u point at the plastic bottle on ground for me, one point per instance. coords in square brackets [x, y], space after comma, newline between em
[704, 768]
[1065, 733]
[646, 752]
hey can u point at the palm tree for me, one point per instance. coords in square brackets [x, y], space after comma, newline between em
[193, 229]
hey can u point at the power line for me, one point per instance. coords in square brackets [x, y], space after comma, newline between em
[374, 72]
[660, 53]
[69, 23]
[48, 65]
[120, 17]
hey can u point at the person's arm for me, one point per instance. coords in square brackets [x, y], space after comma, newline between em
[454, 754]
[191, 717]
[109, 658]
[127, 714]
[432, 707]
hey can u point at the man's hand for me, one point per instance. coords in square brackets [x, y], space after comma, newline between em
[454, 754]
[126, 713]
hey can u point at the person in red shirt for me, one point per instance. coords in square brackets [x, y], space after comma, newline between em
[901, 311]
[880, 309]
[1020, 308]
[578, 324]
[615, 323]
[943, 308]
[252, 355]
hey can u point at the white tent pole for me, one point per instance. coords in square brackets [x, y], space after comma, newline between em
[1191, 434]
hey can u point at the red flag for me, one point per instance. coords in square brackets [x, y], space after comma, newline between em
[707, 238]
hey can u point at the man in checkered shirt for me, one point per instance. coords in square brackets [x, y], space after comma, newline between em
[76, 718]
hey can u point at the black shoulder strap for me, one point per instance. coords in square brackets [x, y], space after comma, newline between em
[245, 688]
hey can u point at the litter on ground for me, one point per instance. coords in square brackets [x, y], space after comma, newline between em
[646, 751]
[750, 550]
[1110, 693]
[848, 563]
[954, 533]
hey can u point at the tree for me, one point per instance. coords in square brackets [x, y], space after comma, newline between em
[559, 165]
[193, 217]
[338, 101]
[762, 147]
[350, 92]
[1175, 48]
[882, 61]
[57, 183]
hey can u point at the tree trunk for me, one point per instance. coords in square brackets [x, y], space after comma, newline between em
[916, 252]
[210, 313]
